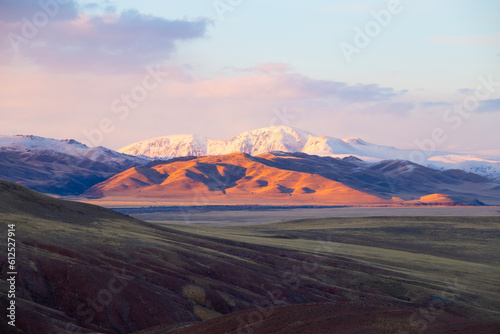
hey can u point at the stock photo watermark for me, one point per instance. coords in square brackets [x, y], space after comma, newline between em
[381, 19]
[282, 117]
[104, 297]
[222, 7]
[293, 277]
[454, 118]
[422, 318]
[11, 274]
[32, 26]
[122, 106]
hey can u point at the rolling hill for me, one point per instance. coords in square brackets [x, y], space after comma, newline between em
[60, 167]
[69, 168]
[86, 269]
[294, 179]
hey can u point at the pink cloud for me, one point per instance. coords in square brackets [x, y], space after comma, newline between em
[279, 86]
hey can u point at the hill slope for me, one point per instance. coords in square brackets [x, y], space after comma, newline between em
[86, 269]
[293, 178]
[61, 167]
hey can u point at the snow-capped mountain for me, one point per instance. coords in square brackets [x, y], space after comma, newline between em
[169, 147]
[292, 140]
[36, 144]
[469, 163]
[254, 142]
[62, 167]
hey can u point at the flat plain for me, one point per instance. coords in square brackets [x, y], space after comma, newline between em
[231, 216]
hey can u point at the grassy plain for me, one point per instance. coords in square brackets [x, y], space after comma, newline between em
[458, 257]
[86, 269]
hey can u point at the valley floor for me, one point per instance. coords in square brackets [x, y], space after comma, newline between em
[86, 269]
[231, 216]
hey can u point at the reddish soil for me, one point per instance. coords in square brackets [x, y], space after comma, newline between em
[85, 269]
[335, 318]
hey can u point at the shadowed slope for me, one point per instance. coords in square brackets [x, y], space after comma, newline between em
[60, 173]
[294, 178]
[86, 269]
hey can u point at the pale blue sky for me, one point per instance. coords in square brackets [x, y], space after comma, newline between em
[407, 54]
[231, 75]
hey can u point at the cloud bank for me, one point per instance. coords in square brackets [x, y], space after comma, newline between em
[58, 37]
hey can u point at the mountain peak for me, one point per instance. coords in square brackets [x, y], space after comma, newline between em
[356, 141]
[40, 145]
[254, 142]
[293, 140]
[29, 142]
[168, 146]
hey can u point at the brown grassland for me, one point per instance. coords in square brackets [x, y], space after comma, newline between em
[86, 269]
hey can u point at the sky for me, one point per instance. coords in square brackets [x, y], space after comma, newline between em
[411, 74]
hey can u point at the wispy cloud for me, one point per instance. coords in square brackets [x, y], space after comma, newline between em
[466, 91]
[277, 84]
[430, 104]
[489, 106]
[393, 108]
[105, 6]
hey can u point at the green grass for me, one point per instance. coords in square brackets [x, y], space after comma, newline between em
[197, 272]
[430, 253]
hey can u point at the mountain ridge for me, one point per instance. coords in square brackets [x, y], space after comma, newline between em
[293, 179]
[29, 143]
[69, 168]
[293, 140]
[60, 167]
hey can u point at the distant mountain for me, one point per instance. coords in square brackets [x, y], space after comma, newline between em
[294, 178]
[292, 140]
[36, 144]
[62, 167]
[70, 168]
[255, 142]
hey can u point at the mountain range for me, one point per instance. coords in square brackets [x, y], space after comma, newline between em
[294, 178]
[62, 167]
[277, 164]
[292, 140]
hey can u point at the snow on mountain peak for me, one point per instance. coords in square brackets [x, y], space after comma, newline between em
[254, 142]
[168, 146]
[356, 141]
[274, 138]
[36, 144]
[30, 142]
[292, 140]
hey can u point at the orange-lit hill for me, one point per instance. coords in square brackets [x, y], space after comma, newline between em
[232, 178]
